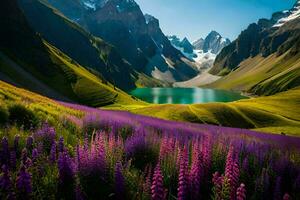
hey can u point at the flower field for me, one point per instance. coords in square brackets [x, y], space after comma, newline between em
[118, 155]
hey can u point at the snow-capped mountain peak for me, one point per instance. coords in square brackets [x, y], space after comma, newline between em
[214, 43]
[96, 4]
[292, 14]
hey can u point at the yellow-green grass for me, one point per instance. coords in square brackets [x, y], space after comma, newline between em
[279, 113]
[13, 95]
[263, 76]
[89, 88]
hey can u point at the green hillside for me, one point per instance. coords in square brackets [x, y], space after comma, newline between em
[278, 113]
[30, 62]
[89, 51]
[263, 76]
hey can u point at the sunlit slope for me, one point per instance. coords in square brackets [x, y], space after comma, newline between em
[71, 81]
[279, 113]
[263, 76]
[89, 88]
[41, 105]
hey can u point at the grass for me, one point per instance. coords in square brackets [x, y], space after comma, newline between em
[263, 76]
[275, 114]
[88, 87]
[71, 80]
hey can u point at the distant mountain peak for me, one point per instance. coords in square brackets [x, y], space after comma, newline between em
[213, 42]
[288, 15]
[120, 4]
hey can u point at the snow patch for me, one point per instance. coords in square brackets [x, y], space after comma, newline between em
[293, 14]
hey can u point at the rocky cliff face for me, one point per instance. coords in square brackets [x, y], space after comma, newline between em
[214, 43]
[138, 38]
[276, 35]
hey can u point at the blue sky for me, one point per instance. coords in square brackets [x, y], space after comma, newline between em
[196, 18]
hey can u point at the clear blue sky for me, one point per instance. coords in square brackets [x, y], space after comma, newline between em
[196, 18]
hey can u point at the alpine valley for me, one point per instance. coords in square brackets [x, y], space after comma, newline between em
[98, 101]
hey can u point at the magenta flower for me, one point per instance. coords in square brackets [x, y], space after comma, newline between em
[241, 192]
[286, 196]
[183, 180]
[232, 171]
[157, 188]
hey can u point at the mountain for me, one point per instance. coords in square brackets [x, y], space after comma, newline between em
[198, 44]
[213, 42]
[202, 51]
[29, 61]
[264, 59]
[137, 37]
[84, 48]
[183, 45]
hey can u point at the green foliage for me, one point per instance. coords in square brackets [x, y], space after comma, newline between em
[22, 116]
[3, 115]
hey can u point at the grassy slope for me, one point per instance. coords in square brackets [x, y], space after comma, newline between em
[10, 94]
[263, 76]
[75, 82]
[278, 113]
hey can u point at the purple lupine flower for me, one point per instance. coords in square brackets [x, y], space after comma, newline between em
[5, 151]
[61, 145]
[52, 156]
[218, 182]
[24, 158]
[5, 180]
[157, 188]
[35, 155]
[147, 183]
[195, 175]
[241, 192]
[277, 190]
[66, 176]
[78, 192]
[13, 160]
[23, 183]
[183, 177]
[29, 142]
[46, 136]
[119, 181]
[232, 171]
[16, 143]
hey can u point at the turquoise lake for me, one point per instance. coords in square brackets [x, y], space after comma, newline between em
[185, 95]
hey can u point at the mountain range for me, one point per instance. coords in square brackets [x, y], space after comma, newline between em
[202, 51]
[264, 59]
[137, 37]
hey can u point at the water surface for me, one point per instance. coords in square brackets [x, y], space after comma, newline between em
[185, 95]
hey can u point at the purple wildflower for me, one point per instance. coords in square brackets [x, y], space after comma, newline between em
[195, 175]
[13, 160]
[147, 183]
[157, 188]
[35, 155]
[66, 175]
[61, 145]
[29, 142]
[52, 156]
[5, 151]
[232, 171]
[23, 183]
[183, 177]
[119, 181]
[241, 192]
[286, 196]
[16, 143]
[277, 190]
[5, 180]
